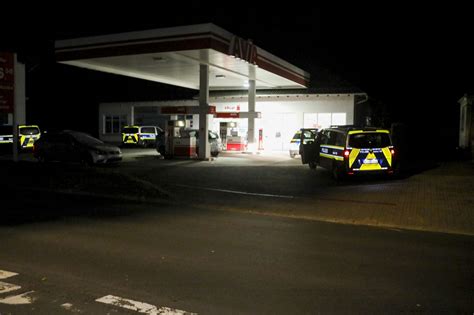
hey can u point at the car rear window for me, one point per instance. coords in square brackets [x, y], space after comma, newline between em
[29, 131]
[130, 130]
[148, 130]
[369, 140]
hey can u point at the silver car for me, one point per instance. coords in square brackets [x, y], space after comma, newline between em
[75, 146]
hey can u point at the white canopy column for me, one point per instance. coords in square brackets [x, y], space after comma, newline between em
[204, 148]
[252, 115]
[19, 99]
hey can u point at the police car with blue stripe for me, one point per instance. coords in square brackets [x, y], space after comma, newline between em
[350, 150]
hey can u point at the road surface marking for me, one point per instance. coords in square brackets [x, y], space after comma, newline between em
[7, 274]
[140, 307]
[66, 306]
[18, 299]
[235, 191]
[7, 287]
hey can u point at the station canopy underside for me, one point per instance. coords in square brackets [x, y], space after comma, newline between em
[174, 55]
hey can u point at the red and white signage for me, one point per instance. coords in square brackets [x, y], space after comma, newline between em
[231, 108]
[7, 82]
[227, 115]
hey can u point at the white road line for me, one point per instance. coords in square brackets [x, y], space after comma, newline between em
[7, 274]
[235, 191]
[140, 307]
[18, 299]
[7, 287]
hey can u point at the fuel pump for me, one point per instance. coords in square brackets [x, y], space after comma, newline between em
[172, 132]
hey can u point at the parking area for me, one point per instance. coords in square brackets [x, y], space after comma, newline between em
[432, 197]
[437, 199]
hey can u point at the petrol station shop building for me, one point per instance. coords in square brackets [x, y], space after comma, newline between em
[243, 90]
[281, 112]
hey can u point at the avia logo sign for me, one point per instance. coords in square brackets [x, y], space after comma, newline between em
[243, 49]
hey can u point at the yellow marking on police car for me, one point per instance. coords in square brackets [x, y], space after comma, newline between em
[353, 156]
[370, 167]
[331, 156]
[370, 163]
[388, 155]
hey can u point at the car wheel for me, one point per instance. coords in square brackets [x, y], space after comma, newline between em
[214, 153]
[292, 155]
[312, 165]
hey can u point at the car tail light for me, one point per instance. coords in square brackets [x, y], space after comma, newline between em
[392, 150]
[347, 153]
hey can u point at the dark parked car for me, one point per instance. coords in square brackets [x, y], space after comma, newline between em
[75, 146]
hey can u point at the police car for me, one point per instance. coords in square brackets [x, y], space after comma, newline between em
[309, 133]
[143, 136]
[27, 135]
[6, 134]
[350, 150]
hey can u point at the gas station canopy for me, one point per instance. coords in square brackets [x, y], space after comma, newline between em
[174, 55]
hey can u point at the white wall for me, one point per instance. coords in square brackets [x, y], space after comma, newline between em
[290, 110]
[281, 116]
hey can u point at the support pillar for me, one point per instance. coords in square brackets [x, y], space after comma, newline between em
[132, 115]
[204, 148]
[252, 115]
[19, 101]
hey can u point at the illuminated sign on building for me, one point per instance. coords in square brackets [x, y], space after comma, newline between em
[243, 49]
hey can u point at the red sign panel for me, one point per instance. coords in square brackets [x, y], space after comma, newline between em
[174, 110]
[180, 110]
[227, 115]
[6, 82]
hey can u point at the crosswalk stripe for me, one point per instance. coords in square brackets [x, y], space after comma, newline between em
[140, 307]
[7, 274]
[19, 299]
[8, 287]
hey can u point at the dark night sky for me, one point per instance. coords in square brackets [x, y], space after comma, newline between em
[416, 60]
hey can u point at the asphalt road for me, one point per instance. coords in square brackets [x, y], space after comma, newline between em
[69, 252]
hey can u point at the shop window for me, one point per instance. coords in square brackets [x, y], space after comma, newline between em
[324, 120]
[310, 120]
[338, 119]
[114, 123]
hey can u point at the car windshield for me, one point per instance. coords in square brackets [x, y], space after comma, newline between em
[29, 131]
[130, 130]
[297, 135]
[85, 138]
[369, 140]
[6, 130]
